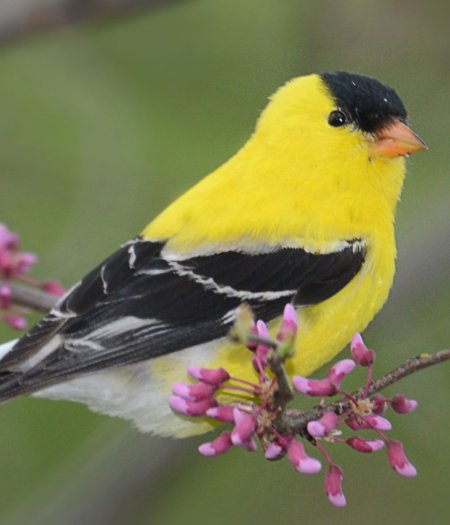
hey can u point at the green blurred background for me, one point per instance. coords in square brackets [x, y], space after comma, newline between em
[101, 125]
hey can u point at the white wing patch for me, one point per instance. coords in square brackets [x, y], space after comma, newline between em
[244, 295]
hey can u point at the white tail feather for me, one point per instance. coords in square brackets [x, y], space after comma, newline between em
[7, 347]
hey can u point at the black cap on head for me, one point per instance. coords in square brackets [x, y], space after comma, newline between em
[369, 104]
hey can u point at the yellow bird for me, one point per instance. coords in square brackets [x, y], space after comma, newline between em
[302, 213]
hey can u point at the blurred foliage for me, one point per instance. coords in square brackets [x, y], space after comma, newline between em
[102, 125]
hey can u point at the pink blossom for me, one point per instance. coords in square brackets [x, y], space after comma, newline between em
[195, 392]
[274, 451]
[361, 354]
[214, 376]
[338, 371]
[300, 460]
[365, 445]
[398, 460]
[222, 413]
[259, 359]
[323, 426]
[16, 321]
[245, 427]
[5, 296]
[25, 261]
[369, 421]
[289, 324]
[218, 446]
[380, 404]
[8, 239]
[191, 408]
[53, 287]
[314, 387]
[333, 486]
[402, 405]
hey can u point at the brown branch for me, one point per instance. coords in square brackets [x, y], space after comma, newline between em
[33, 298]
[27, 19]
[295, 420]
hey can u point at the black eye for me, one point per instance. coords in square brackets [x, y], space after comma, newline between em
[338, 119]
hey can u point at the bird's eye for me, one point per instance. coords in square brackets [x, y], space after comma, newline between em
[338, 119]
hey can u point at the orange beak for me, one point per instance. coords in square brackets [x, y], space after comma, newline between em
[397, 139]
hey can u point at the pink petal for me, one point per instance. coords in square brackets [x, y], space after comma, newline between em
[194, 392]
[398, 460]
[333, 486]
[402, 405]
[214, 376]
[361, 354]
[218, 446]
[338, 371]
[222, 413]
[314, 387]
[191, 408]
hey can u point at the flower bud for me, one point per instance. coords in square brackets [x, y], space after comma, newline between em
[365, 445]
[398, 461]
[218, 446]
[322, 426]
[15, 321]
[338, 371]
[191, 408]
[5, 296]
[214, 376]
[300, 460]
[194, 392]
[245, 427]
[333, 486]
[361, 354]
[402, 405]
[53, 287]
[314, 387]
[222, 413]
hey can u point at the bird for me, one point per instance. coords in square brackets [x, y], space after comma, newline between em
[303, 213]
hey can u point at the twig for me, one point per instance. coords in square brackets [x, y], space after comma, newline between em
[28, 20]
[32, 297]
[295, 420]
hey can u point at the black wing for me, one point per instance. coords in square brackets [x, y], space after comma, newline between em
[139, 304]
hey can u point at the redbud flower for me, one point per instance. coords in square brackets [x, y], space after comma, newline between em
[369, 421]
[16, 321]
[5, 296]
[245, 426]
[402, 405]
[314, 387]
[214, 376]
[333, 486]
[195, 392]
[322, 426]
[218, 446]
[289, 324]
[361, 354]
[301, 461]
[398, 461]
[259, 359]
[222, 413]
[191, 408]
[274, 451]
[25, 260]
[380, 404]
[365, 445]
[338, 371]
[53, 287]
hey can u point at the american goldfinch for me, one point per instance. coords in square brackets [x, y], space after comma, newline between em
[302, 213]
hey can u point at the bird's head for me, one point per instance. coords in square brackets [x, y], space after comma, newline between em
[347, 123]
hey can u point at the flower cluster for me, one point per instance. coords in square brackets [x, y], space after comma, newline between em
[256, 413]
[14, 266]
